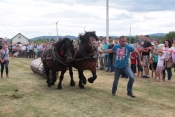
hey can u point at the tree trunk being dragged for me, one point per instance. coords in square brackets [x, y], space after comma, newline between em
[37, 67]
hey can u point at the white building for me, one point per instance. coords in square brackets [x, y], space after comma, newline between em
[20, 39]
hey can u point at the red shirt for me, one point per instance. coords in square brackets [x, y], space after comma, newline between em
[133, 58]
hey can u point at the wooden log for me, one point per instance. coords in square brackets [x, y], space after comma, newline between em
[38, 68]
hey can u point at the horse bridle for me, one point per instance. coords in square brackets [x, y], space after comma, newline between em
[58, 58]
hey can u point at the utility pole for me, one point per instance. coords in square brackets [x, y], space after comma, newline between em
[57, 29]
[107, 20]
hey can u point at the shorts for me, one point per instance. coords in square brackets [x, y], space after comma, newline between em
[154, 65]
[145, 60]
[140, 68]
[160, 68]
[133, 68]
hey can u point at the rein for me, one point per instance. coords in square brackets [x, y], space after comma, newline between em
[86, 55]
[57, 57]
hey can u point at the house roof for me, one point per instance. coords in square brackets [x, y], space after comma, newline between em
[20, 34]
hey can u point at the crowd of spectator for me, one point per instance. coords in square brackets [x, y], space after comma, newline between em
[154, 56]
[29, 50]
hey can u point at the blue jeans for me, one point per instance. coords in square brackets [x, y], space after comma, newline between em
[117, 72]
[111, 66]
[39, 54]
[107, 61]
[6, 67]
[169, 73]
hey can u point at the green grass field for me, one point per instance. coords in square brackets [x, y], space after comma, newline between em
[25, 94]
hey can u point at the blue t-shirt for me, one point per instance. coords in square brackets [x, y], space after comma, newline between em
[106, 47]
[155, 56]
[122, 55]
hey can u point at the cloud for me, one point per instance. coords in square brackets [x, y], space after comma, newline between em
[143, 5]
[38, 17]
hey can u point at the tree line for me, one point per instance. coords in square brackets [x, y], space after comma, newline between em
[169, 36]
[132, 39]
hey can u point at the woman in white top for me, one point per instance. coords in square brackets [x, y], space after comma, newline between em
[168, 55]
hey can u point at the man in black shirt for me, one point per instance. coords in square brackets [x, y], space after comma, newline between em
[146, 56]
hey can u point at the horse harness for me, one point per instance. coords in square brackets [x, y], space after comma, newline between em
[55, 55]
[86, 55]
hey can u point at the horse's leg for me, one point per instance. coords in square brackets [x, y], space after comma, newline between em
[80, 72]
[61, 78]
[94, 76]
[47, 70]
[52, 82]
[83, 79]
[48, 79]
[72, 82]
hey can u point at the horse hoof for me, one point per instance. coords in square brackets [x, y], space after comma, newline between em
[52, 83]
[59, 88]
[90, 80]
[84, 81]
[72, 84]
[48, 85]
[81, 87]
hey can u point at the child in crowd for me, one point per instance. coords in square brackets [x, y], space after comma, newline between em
[140, 68]
[133, 62]
[160, 65]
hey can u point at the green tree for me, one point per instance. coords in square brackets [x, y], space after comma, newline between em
[168, 36]
[132, 40]
[38, 41]
[52, 40]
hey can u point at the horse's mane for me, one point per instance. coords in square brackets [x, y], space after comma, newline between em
[60, 42]
[84, 38]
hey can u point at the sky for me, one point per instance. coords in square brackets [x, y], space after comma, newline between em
[34, 18]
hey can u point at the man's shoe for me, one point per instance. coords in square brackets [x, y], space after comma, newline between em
[144, 76]
[113, 94]
[131, 94]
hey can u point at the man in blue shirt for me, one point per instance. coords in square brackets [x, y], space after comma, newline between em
[106, 46]
[30, 47]
[121, 64]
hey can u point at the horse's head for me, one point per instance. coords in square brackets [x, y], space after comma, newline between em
[67, 49]
[88, 37]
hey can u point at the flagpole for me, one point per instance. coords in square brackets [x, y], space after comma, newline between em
[107, 20]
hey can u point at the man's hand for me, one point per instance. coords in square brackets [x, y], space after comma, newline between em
[141, 64]
[100, 51]
[140, 49]
[166, 59]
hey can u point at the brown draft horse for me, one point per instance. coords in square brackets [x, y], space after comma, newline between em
[57, 58]
[85, 58]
